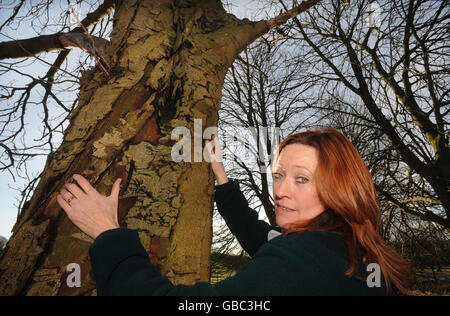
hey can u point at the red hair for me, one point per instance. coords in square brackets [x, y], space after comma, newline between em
[345, 186]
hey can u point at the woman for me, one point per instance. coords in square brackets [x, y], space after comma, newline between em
[327, 215]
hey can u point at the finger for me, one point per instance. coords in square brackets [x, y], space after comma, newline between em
[215, 142]
[75, 190]
[210, 147]
[63, 203]
[83, 182]
[217, 150]
[66, 195]
[116, 189]
[217, 145]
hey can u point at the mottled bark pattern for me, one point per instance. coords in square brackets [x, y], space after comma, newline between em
[168, 60]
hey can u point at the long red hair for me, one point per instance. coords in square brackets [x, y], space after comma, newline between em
[345, 186]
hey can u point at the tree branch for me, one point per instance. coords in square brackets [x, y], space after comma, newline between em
[46, 43]
[16, 10]
[426, 216]
[60, 41]
[245, 36]
[292, 13]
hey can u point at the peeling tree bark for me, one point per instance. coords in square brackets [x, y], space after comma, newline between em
[168, 62]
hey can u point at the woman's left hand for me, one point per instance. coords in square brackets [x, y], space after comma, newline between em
[90, 211]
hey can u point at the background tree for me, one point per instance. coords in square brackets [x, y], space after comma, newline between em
[162, 67]
[392, 57]
[424, 243]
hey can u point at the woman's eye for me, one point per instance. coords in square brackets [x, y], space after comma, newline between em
[302, 180]
[276, 175]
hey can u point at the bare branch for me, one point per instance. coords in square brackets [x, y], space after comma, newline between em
[46, 43]
[284, 17]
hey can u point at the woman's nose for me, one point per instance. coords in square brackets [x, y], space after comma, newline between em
[282, 189]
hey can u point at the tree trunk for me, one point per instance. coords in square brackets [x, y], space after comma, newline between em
[168, 60]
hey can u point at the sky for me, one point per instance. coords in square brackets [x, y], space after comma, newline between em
[10, 189]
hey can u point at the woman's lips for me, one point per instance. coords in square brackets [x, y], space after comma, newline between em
[282, 208]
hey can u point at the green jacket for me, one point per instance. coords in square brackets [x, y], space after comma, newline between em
[307, 263]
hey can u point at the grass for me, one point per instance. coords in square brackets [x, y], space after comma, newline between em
[428, 283]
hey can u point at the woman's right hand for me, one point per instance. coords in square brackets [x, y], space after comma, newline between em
[215, 157]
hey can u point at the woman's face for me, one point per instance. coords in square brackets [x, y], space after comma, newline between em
[294, 185]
